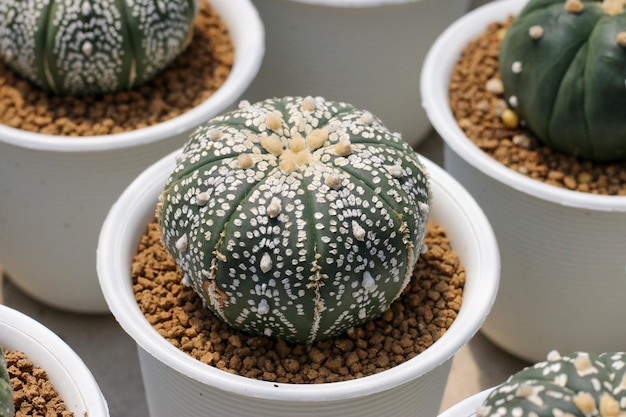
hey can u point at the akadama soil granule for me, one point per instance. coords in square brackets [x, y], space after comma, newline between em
[414, 322]
[33, 393]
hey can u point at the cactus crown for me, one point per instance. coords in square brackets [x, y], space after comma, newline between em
[581, 384]
[563, 66]
[93, 46]
[7, 407]
[296, 218]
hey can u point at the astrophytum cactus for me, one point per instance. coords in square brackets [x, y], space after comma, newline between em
[93, 46]
[563, 66]
[577, 385]
[7, 407]
[296, 218]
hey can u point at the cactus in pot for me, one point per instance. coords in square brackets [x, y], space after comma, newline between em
[7, 407]
[296, 218]
[93, 46]
[581, 384]
[563, 67]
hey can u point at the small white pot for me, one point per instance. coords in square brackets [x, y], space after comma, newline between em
[365, 52]
[563, 252]
[177, 384]
[55, 190]
[467, 407]
[66, 371]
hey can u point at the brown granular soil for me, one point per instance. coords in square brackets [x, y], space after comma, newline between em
[477, 102]
[414, 322]
[33, 393]
[191, 79]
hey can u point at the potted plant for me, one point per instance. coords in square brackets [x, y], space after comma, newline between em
[580, 383]
[66, 372]
[283, 141]
[378, 69]
[558, 280]
[50, 253]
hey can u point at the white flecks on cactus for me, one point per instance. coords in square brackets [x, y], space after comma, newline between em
[274, 208]
[358, 231]
[536, 32]
[516, 67]
[513, 102]
[580, 384]
[266, 262]
[316, 236]
[182, 244]
[95, 46]
[368, 281]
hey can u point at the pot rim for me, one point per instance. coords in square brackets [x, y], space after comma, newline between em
[68, 373]
[468, 406]
[125, 224]
[436, 73]
[248, 37]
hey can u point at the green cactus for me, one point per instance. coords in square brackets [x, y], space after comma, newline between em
[296, 218]
[563, 66]
[7, 408]
[577, 385]
[93, 46]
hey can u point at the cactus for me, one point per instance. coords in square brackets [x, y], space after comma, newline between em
[93, 46]
[581, 384]
[296, 218]
[563, 66]
[7, 407]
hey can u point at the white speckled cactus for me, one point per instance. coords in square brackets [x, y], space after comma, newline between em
[577, 385]
[7, 408]
[296, 218]
[93, 46]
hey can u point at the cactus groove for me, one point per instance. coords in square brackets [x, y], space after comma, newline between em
[296, 218]
[93, 46]
[563, 66]
[580, 384]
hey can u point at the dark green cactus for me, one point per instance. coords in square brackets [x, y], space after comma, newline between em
[93, 46]
[563, 66]
[296, 218]
[577, 385]
[7, 408]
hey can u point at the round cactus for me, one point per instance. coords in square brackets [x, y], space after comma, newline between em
[7, 407]
[563, 66]
[296, 218]
[581, 384]
[93, 46]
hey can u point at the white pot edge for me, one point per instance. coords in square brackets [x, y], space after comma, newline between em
[68, 373]
[467, 407]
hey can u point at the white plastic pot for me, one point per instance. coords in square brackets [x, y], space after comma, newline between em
[365, 52]
[55, 191]
[66, 371]
[563, 252]
[177, 384]
[467, 407]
